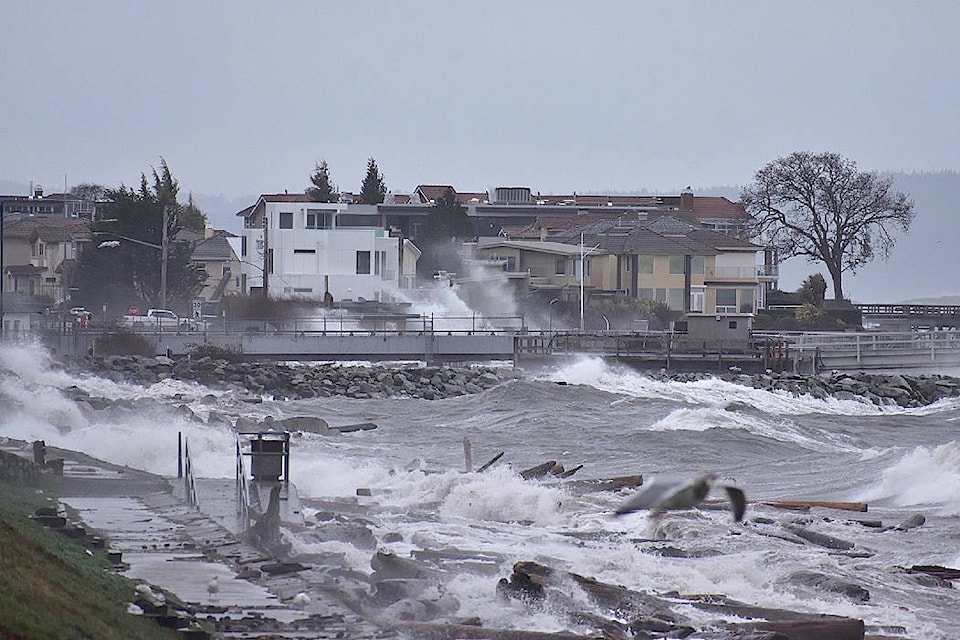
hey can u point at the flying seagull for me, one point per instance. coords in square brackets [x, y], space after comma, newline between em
[660, 496]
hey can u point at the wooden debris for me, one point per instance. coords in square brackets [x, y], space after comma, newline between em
[490, 463]
[804, 504]
[945, 574]
[539, 471]
[607, 484]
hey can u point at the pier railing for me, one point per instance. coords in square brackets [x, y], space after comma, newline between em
[243, 491]
[874, 350]
[185, 470]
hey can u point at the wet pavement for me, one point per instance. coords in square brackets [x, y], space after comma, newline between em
[179, 548]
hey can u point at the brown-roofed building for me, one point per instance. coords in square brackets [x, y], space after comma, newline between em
[39, 253]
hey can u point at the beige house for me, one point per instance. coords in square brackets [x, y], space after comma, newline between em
[39, 254]
[539, 266]
[687, 267]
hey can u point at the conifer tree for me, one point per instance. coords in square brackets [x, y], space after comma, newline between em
[373, 190]
[323, 190]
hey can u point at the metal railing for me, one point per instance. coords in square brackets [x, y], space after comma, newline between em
[243, 495]
[185, 470]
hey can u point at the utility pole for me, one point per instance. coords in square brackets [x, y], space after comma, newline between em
[163, 258]
[266, 256]
[3, 278]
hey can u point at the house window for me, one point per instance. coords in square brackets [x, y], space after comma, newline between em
[645, 294]
[732, 324]
[286, 220]
[746, 300]
[675, 299]
[243, 246]
[676, 265]
[269, 260]
[697, 266]
[560, 267]
[696, 301]
[304, 250]
[511, 264]
[726, 298]
[644, 265]
[319, 219]
[380, 263]
[363, 262]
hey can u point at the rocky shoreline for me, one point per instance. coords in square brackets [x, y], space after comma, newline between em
[877, 388]
[295, 381]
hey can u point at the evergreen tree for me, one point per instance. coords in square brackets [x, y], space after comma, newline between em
[441, 234]
[322, 190]
[123, 264]
[373, 190]
[191, 217]
[446, 221]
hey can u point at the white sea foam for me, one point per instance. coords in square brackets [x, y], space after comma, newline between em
[924, 476]
[703, 418]
[604, 376]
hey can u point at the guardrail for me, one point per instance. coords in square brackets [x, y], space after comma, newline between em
[243, 492]
[873, 350]
[185, 470]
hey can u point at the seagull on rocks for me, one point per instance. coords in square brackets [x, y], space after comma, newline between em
[301, 600]
[213, 587]
[661, 496]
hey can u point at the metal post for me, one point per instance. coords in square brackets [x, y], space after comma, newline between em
[3, 279]
[581, 282]
[179, 454]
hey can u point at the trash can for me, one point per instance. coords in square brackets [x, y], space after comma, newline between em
[266, 459]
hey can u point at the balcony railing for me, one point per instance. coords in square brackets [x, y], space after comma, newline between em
[733, 273]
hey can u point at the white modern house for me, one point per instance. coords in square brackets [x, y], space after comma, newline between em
[302, 249]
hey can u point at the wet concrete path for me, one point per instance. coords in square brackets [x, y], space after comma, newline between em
[180, 549]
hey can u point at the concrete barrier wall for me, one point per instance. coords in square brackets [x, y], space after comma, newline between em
[16, 469]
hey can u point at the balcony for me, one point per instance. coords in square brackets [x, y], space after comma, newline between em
[768, 271]
[733, 273]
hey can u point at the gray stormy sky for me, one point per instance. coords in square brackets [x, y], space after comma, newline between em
[244, 97]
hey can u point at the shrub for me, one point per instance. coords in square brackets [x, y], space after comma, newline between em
[215, 352]
[124, 343]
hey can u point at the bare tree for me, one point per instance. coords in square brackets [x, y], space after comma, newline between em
[821, 207]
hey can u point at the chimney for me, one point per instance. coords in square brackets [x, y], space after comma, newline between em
[686, 199]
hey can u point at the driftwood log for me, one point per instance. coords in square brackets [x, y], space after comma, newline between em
[805, 504]
[652, 616]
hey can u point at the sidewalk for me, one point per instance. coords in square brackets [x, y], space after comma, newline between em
[167, 543]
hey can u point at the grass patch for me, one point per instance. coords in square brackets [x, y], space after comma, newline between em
[51, 588]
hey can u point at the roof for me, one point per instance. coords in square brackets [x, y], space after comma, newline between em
[23, 270]
[49, 229]
[560, 248]
[433, 192]
[214, 248]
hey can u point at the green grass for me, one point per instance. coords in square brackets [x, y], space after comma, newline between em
[50, 588]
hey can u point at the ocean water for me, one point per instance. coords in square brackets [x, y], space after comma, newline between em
[612, 421]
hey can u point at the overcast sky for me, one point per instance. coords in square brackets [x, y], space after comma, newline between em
[244, 97]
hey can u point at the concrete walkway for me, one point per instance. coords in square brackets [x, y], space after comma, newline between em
[171, 545]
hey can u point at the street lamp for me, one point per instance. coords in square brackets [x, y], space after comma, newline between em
[162, 248]
[552, 302]
[583, 265]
